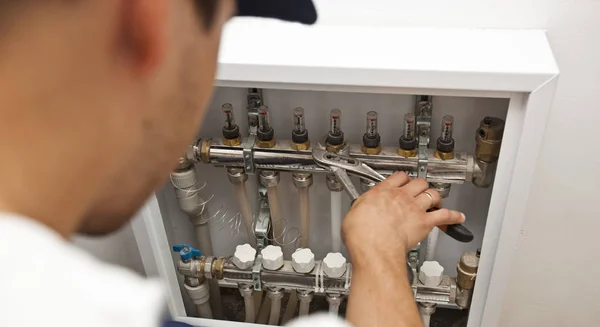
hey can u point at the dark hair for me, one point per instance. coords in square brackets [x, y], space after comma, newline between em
[206, 11]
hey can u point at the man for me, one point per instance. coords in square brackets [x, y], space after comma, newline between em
[98, 98]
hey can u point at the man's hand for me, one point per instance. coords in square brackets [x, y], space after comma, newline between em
[381, 226]
[391, 218]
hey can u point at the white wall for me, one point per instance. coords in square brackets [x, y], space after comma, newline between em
[554, 281]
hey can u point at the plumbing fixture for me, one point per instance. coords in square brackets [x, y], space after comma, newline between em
[342, 165]
[199, 293]
[246, 291]
[445, 143]
[371, 139]
[265, 135]
[238, 178]
[305, 297]
[426, 310]
[275, 294]
[303, 260]
[431, 273]
[335, 137]
[244, 255]
[407, 144]
[231, 131]
[303, 181]
[488, 138]
[334, 264]
[300, 140]
[272, 257]
[334, 300]
[465, 279]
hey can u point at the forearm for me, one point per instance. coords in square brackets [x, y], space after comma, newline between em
[381, 295]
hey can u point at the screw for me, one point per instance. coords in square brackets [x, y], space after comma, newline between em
[422, 168]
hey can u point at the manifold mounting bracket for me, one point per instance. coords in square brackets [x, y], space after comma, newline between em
[423, 113]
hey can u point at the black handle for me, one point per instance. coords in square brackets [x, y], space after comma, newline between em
[458, 232]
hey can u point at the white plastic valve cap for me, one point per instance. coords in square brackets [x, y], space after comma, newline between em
[334, 264]
[303, 260]
[431, 273]
[244, 255]
[272, 257]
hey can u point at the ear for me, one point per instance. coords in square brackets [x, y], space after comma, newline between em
[143, 27]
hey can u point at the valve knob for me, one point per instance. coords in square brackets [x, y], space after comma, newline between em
[431, 273]
[272, 257]
[334, 264]
[244, 255]
[303, 260]
[186, 251]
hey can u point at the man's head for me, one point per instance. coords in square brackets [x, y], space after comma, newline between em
[109, 92]
[99, 98]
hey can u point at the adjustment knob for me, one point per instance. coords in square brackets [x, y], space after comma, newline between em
[334, 264]
[272, 257]
[303, 260]
[244, 255]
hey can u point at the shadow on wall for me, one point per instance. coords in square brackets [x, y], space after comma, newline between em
[118, 248]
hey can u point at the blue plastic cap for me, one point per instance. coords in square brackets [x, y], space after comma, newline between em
[186, 251]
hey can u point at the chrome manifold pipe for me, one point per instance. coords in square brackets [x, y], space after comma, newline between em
[287, 278]
[282, 157]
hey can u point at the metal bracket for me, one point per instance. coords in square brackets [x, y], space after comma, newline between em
[248, 149]
[255, 100]
[263, 223]
[261, 231]
[256, 273]
[413, 263]
[423, 112]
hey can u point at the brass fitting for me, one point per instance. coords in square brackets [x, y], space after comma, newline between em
[367, 150]
[489, 138]
[232, 142]
[300, 146]
[335, 148]
[465, 279]
[217, 268]
[205, 150]
[266, 144]
[444, 155]
[407, 153]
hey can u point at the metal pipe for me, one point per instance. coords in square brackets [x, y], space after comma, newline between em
[239, 178]
[275, 295]
[303, 181]
[283, 158]
[246, 292]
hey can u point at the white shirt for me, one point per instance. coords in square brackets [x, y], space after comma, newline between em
[47, 281]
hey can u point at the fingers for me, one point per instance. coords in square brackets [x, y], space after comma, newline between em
[429, 199]
[396, 180]
[445, 217]
[415, 187]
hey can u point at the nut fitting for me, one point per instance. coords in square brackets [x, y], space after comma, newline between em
[302, 180]
[267, 144]
[269, 178]
[232, 142]
[237, 175]
[300, 146]
[205, 151]
[442, 188]
[335, 148]
[371, 151]
[407, 153]
[489, 139]
[467, 270]
[444, 155]
[333, 184]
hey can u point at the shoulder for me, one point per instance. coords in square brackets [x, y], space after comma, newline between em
[70, 287]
